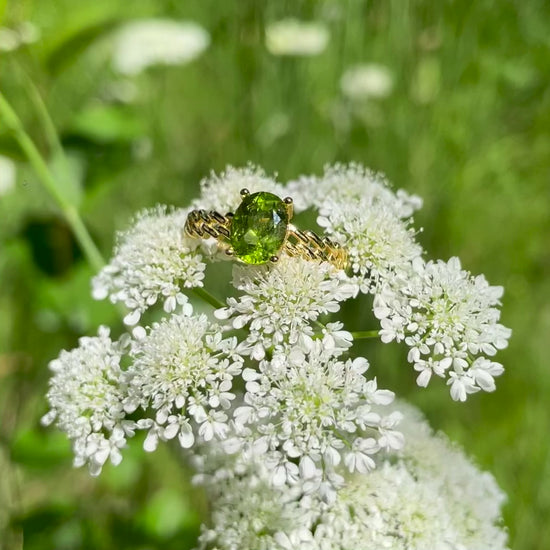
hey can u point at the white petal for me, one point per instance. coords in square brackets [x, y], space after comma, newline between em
[151, 441]
[132, 318]
[186, 438]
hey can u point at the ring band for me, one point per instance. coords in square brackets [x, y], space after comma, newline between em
[260, 230]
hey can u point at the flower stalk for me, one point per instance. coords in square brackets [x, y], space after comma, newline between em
[207, 297]
[365, 334]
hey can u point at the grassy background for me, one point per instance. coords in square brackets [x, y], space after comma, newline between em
[467, 127]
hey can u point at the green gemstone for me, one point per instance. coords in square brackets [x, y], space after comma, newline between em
[258, 229]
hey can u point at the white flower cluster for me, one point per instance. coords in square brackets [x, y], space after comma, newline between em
[305, 413]
[144, 43]
[358, 209]
[13, 38]
[366, 81]
[309, 290]
[153, 260]
[85, 396]
[429, 497]
[181, 377]
[298, 447]
[449, 319]
[296, 38]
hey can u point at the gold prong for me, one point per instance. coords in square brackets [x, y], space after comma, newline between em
[289, 203]
[244, 192]
[274, 259]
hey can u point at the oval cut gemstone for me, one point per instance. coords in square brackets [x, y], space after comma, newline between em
[258, 228]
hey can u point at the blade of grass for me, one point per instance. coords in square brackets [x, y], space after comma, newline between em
[69, 210]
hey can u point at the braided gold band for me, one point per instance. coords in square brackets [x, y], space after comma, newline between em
[303, 244]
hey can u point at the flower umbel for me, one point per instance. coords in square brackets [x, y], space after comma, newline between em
[296, 38]
[429, 497]
[153, 260]
[86, 400]
[143, 43]
[181, 377]
[449, 319]
[366, 81]
[297, 447]
[308, 412]
[358, 209]
[280, 302]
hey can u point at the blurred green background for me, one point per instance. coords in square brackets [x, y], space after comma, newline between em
[466, 124]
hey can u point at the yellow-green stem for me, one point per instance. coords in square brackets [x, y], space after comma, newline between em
[69, 210]
[364, 334]
[48, 124]
[358, 335]
[207, 297]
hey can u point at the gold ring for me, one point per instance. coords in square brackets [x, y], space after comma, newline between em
[260, 231]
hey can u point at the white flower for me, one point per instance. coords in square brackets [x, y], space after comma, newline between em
[368, 80]
[28, 32]
[7, 175]
[140, 44]
[25, 33]
[293, 37]
[336, 340]
[9, 39]
[314, 410]
[280, 301]
[153, 260]
[222, 192]
[428, 496]
[85, 397]
[181, 378]
[449, 319]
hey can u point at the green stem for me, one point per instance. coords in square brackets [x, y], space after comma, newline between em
[319, 325]
[359, 335]
[207, 297]
[43, 172]
[364, 334]
[42, 111]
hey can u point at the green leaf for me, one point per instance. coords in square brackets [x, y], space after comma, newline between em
[108, 123]
[41, 448]
[69, 302]
[71, 47]
[168, 512]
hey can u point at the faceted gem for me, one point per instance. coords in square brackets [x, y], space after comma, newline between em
[258, 228]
